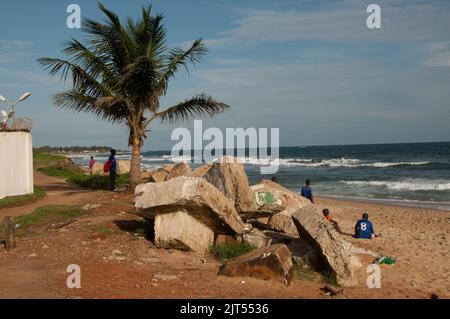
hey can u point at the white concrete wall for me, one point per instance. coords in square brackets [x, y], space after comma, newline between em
[16, 164]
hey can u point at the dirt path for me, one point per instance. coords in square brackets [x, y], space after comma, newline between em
[30, 276]
[58, 192]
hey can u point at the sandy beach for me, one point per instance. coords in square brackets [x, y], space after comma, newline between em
[418, 238]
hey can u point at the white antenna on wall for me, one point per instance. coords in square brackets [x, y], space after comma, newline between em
[4, 120]
[12, 113]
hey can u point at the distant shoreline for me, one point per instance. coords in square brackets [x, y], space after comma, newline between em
[74, 150]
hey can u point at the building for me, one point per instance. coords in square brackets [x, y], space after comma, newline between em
[16, 163]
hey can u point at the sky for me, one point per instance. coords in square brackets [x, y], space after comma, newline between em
[311, 68]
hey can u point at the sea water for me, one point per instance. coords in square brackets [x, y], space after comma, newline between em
[415, 174]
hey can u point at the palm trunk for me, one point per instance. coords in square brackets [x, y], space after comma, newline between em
[135, 169]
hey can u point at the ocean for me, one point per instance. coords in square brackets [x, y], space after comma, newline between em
[413, 174]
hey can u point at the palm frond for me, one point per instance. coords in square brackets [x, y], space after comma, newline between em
[94, 63]
[179, 58]
[110, 110]
[197, 106]
[82, 80]
[108, 42]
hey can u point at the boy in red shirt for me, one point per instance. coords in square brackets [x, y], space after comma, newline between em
[326, 214]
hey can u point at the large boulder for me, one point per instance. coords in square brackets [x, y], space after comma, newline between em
[279, 238]
[224, 240]
[158, 176]
[304, 254]
[327, 243]
[256, 238]
[272, 263]
[278, 203]
[229, 176]
[180, 169]
[180, 230]
[145, 175]
[123, 167]
[201, 170]
[282, 222]
[169, 167]
[195, 196]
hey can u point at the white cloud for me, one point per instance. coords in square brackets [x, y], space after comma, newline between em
[28, 77]
[402, 21]
[438, 55]
[15, 44]
[12, 57]
[6, 58]
[9, 48]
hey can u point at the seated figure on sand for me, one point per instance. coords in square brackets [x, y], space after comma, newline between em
[364, 228]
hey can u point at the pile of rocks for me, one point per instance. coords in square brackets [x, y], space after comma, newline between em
[194, 209]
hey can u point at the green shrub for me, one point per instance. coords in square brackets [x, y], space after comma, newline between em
[45, 160]
[329, 277]
[58, 166]
[229, 251]
[304, 272]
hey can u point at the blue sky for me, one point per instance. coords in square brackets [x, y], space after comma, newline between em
[311, 68]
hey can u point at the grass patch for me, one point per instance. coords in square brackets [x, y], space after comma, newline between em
[83, 180]
[229, 251]
[304, 272]
[315, 273]
[47, 215]
[45, 160]
[59, 166]
[22, 199]
[330, 278]
[100, 229]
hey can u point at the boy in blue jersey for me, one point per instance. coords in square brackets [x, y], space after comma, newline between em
[364, 228]
[112, 170]
[307, 191]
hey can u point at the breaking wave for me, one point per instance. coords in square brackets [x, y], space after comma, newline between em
[345, 162]
[334, 162]
[405, 185]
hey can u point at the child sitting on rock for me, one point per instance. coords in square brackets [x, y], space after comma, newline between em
[326, 214]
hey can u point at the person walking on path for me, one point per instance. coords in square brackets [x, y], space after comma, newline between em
[91, 165]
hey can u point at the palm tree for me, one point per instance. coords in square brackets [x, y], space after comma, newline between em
[122, 71]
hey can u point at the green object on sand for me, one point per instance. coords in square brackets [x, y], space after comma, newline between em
[386, 260]
[266, 198]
